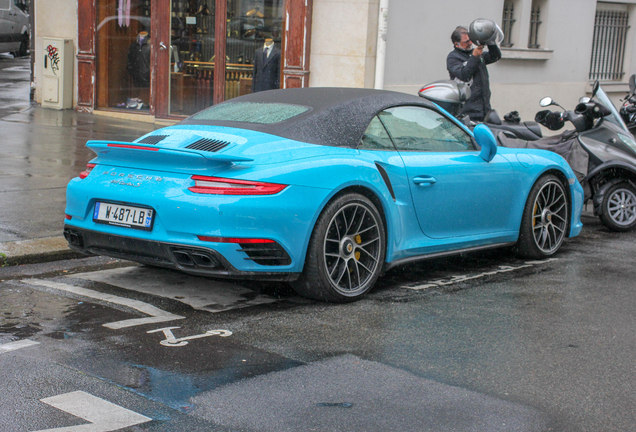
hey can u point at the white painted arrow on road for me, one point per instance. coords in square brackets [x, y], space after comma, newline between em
[103, 415]
[156, 315]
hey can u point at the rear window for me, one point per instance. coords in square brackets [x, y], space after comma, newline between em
[251, 112]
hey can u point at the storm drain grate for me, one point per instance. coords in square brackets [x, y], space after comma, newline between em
[210, 145]
[152, 139]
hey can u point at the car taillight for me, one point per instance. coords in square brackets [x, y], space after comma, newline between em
[89, 168]
[234, 240]
[224, 186]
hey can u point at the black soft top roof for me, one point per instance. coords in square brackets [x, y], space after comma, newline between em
[337, 116]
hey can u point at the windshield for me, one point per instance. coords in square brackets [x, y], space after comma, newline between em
[615, 117]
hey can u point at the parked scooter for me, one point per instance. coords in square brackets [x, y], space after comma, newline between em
[451, 96]
[601, 152]
[628, 109]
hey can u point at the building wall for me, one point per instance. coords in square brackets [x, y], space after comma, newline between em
[53, 18]
[418, 41]
[343, 41]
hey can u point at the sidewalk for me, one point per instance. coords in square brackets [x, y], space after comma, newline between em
[40, 151]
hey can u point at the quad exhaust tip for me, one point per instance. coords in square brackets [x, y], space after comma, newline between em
[195, 258]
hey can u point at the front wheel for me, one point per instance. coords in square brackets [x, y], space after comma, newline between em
[618, 211]
[346, 251]
[545, 219]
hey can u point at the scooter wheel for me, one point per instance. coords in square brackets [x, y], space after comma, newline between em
[619, 207]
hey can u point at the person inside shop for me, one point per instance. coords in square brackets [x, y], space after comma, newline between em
[467, 63]
[266, 67]
[139, 60]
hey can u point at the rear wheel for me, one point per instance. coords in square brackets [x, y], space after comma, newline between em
[545, 219]
[618, 211]
[346, 251]
[24, 47]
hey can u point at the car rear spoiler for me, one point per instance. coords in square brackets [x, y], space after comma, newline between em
[134, 154]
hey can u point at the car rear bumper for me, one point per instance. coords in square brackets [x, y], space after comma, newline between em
[189, 259]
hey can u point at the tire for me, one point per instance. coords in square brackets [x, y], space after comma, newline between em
[24, 47]
[618, 208]
[545, 219]
[346, 251]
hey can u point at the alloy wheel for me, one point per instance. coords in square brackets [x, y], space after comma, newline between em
[549, 217]
[352, 248]
[622, 207]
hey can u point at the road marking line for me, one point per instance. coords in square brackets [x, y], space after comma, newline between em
[12, 346]
[464, 278]
[104, 416]
[172, 341]
[156, 315]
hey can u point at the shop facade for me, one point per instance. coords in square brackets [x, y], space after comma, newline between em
[172, 58]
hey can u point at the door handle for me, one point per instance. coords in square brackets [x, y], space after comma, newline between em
[424, 180]
[162, 46]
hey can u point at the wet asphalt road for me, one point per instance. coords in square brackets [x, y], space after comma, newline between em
[475, 343]
[480, 342]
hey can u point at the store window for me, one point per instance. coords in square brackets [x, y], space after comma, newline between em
[249, 35]
[123, 54]
[251, 41]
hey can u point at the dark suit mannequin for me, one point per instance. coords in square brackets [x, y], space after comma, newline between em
[266, 70]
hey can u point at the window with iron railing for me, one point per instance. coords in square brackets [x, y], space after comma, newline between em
[535, 22]
[608, 45]
[507, 21]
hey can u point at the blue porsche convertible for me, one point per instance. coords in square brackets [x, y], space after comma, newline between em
[325, 188]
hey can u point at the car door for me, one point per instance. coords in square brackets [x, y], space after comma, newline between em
[455, 192]
[7, 26]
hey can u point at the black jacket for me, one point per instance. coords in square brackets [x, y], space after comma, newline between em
[139, 63]
[266, 73]
[464, 66]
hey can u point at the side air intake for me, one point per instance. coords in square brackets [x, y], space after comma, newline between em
[209, 145]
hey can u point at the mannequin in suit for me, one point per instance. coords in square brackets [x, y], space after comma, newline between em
[139, 60]
[266, 67]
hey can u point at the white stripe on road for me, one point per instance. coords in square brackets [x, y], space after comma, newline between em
[103, 415]
[12, 346]
[156, 315]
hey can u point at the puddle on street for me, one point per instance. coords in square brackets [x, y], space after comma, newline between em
[25, 312]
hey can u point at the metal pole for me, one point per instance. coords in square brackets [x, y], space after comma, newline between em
[380, 56]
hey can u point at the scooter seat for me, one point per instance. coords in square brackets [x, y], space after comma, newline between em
[534, 127]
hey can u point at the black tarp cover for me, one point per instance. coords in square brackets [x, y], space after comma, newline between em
[566, 144]
[337, 116]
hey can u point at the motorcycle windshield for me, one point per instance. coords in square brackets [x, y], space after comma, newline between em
[615, 117]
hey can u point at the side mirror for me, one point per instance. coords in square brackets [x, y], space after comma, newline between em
[584, 100]
[546, 101]
[486, 140]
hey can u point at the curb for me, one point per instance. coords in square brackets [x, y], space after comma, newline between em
[36, 251]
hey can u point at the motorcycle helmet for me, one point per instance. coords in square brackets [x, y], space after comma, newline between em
[485, 32]
[448, 94]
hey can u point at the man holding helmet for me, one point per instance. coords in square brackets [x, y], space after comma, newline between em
[468, 64]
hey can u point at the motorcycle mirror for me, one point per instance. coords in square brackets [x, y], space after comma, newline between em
[595, 88]
[632, 84]
[584, 100]
[546, 101]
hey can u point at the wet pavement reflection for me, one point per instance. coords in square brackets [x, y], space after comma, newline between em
[41, 150]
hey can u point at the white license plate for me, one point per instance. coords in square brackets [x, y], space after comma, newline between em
[123, 215]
